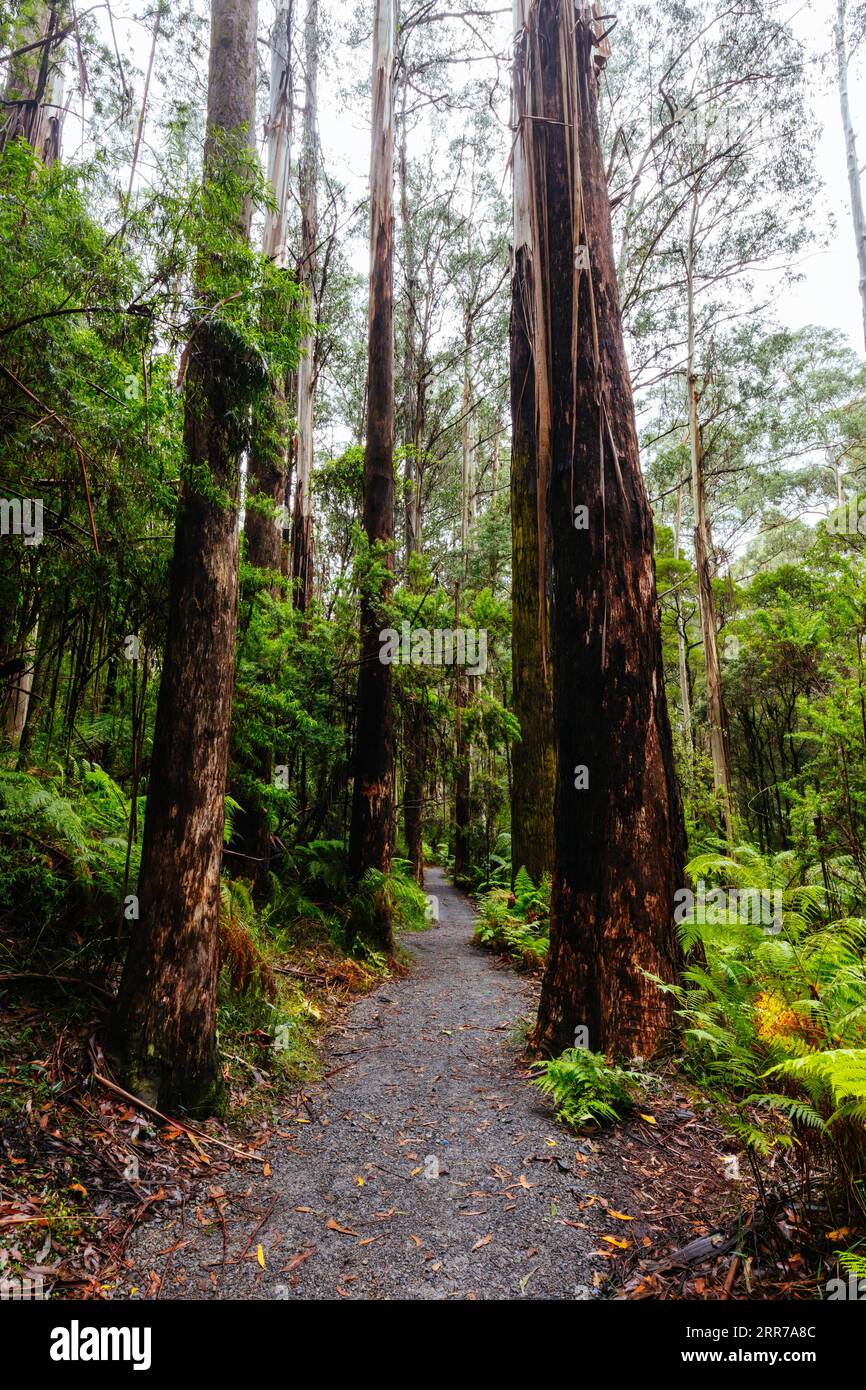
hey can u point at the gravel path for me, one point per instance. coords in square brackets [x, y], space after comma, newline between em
[424, 1077]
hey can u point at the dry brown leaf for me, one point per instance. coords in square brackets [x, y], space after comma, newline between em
[333, 1225]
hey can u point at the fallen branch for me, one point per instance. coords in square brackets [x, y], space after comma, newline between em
[195, 1134]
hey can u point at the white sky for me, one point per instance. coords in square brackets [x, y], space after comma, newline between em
[826, 295]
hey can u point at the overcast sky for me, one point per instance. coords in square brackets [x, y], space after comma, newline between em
[826, 295]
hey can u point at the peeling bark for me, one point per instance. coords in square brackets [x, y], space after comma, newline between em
[533, 784]
[619, 839]
[33, 93]
[165, 1023]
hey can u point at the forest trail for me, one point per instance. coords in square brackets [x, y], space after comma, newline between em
[423, 1066]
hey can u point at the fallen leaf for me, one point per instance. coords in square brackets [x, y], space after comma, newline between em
[485, 1240]
[332, 1225]
[297, 1260]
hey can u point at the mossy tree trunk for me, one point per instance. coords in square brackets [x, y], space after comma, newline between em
[372, 825]
[165, 1022]
[264, 518]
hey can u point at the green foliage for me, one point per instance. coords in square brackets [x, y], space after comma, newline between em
[63, 842]
[586, 1088]
[516, 924]
[775, 1022]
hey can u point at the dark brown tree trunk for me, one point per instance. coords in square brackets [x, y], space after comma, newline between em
[371, 834]
[166, 1011]
[619, 830]
[414, 800]
[534, 767]
[266, 487]
[462, 786]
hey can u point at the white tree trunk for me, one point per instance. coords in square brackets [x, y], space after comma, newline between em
[685, 697]
[278, 133]
[856, 191]
[704, 564]
[21, 689]
[308, 268]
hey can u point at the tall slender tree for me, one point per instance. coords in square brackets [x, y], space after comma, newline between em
[619, 829]
[33, 110]
[267, 457]
[302, 518]
[412, 422]
[705, 560]
[854, 185]
[533, 784]
[165, 1021]
[266, 468]
[371, 834]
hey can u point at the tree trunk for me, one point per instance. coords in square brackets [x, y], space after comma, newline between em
[266, 469]
[166, 1011]
[302, 521]
[266, 464]
[463, 695]
[619, 835]
[682, 653]
[533, 764]
[412, 391]
[414, 800]
[416, 717]
[33, 94]
[371, 834]
[33, 111]
[857, 215]
[717, 719]
[22, 686]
